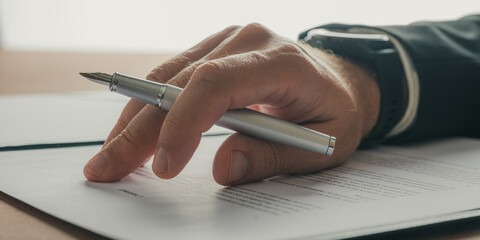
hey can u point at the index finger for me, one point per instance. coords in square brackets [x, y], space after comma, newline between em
[216, 86]
[166, 71]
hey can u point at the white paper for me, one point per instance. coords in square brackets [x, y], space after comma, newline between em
[386, 189]
[29, 119]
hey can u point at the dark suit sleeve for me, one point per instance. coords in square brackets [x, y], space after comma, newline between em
[446, 56]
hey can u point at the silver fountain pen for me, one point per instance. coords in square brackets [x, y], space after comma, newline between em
[243, 120]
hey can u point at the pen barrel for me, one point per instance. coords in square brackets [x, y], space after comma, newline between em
[136, 88]
[243, 120]
[266, 127]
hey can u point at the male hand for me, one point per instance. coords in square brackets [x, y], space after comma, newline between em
[236, 68]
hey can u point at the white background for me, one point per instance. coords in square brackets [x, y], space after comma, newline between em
[171, 26]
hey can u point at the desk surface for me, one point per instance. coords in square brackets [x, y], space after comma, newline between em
[27, 72]
[39, 72]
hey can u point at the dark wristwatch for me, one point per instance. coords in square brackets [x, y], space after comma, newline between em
[378, 53]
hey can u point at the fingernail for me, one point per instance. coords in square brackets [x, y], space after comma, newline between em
[97, 165]
[238, 166]
[160, 162]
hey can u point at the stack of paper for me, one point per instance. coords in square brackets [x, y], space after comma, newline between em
[379, 190]
[386, 189]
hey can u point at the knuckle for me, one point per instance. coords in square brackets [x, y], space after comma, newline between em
[184, 60]
[254, 30]
[167, 70]
[231, 28]
[193, 67]
[255, 27]
[129, 136]
[172, 122]
[160, 74]
[122, 122]
[211, 66]
[182, 78]
[206, 72]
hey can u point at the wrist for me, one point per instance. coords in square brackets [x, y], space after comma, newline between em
[367, 92]
[377, 51]
[362, 85]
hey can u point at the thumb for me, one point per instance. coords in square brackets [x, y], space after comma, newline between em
[242, 159]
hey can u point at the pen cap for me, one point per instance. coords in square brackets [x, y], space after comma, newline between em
[139, 89]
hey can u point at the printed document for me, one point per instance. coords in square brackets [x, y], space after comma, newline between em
[377, 190]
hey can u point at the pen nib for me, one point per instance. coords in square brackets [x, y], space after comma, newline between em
[98, 77]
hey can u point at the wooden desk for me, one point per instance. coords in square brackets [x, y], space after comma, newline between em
[26, 72]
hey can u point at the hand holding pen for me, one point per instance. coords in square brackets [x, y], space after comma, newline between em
[243, 67]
